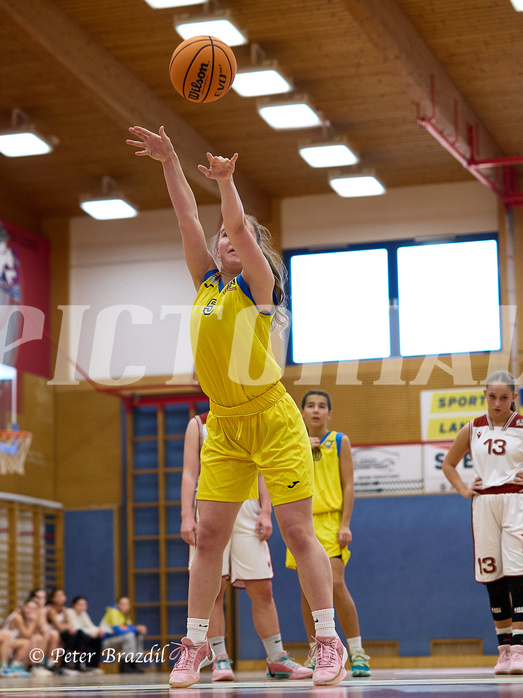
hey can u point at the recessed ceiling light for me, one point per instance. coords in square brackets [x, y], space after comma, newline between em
[331, 154]
[356, 185]
[287, 115]
[161, 4]
[217, 24]
[109, 204]
[15, 145]
[22, 139]
[260, 80]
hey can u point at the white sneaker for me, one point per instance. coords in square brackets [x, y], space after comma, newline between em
[39, 671]
[65, 671]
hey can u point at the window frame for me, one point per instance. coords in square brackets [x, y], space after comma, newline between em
[391, 246]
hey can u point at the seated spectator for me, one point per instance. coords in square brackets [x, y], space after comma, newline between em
[89, 635]
[24, 628]
[122, 635]
[51, 636]
[58, 618]
[5, 650]
[12, 655]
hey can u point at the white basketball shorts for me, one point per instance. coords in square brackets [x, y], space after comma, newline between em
[245, 557]
[497, 525]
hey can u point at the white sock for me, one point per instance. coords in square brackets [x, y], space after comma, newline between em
[354, 643]
[218, 644]
[273, 647]
[324, 622]
[197, 629]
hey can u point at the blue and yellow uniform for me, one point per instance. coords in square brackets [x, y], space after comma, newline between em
[253, 425]
[327, 501]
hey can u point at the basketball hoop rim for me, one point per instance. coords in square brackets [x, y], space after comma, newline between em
[14, 434]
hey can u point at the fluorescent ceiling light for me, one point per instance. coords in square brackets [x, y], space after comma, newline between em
[22, 138]
[109, 205]
[160, 4]
[518, 5]
[353, 186]
[15, 145]
[292, 115]
[328, 155]
[108, 209]
[258, 81]
[218, 25]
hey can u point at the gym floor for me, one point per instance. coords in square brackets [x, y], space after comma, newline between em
[416, 683]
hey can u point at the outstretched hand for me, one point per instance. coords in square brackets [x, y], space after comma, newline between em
[219, 168]
[158, 146]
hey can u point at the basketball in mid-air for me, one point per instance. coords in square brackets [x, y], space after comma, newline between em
[202, 69]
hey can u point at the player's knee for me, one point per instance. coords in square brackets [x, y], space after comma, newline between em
[515, 585]
[297, 540]
[339, 589]
[499, 596]
[260, 591]
[211, 539]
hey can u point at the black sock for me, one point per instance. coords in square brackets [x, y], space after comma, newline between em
[506, 639]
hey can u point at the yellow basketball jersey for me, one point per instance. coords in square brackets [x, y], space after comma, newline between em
[231, 342]
[328, 493]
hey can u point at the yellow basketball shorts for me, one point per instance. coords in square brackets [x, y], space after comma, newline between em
[273, 442]
[326, 527]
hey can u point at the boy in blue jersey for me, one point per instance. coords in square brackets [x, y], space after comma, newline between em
[332, 505]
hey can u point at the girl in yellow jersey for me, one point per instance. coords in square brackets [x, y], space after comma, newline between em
[332, 505]
[254, 425]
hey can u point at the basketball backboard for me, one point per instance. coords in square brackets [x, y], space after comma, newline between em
[8, 397]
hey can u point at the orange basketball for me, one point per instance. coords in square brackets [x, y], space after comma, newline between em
[202, 69]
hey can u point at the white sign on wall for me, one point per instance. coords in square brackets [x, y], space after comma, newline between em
[388, 469]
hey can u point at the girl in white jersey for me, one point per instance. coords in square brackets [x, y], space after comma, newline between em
[495, 443]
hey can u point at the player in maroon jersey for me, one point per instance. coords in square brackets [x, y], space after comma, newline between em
[495, 443]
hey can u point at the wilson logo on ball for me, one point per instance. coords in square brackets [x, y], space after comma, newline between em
[196, 86]
[202, 69]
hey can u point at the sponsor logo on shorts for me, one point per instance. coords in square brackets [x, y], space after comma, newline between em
[518, 609]
[293, 484]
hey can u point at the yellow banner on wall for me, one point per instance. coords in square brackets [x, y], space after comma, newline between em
[458, 401]
[445, 412]
[445, 428]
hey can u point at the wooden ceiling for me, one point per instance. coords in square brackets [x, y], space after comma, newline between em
[85, 70]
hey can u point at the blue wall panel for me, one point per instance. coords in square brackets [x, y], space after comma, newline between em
[89, 558]
[411, 575]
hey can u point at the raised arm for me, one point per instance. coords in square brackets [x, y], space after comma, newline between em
[256, 270]
[158, 146]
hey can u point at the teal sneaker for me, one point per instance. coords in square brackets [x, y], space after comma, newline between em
[221, 669]
[310, 663]
[286, 668]
[19, 671]
[360, 663]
